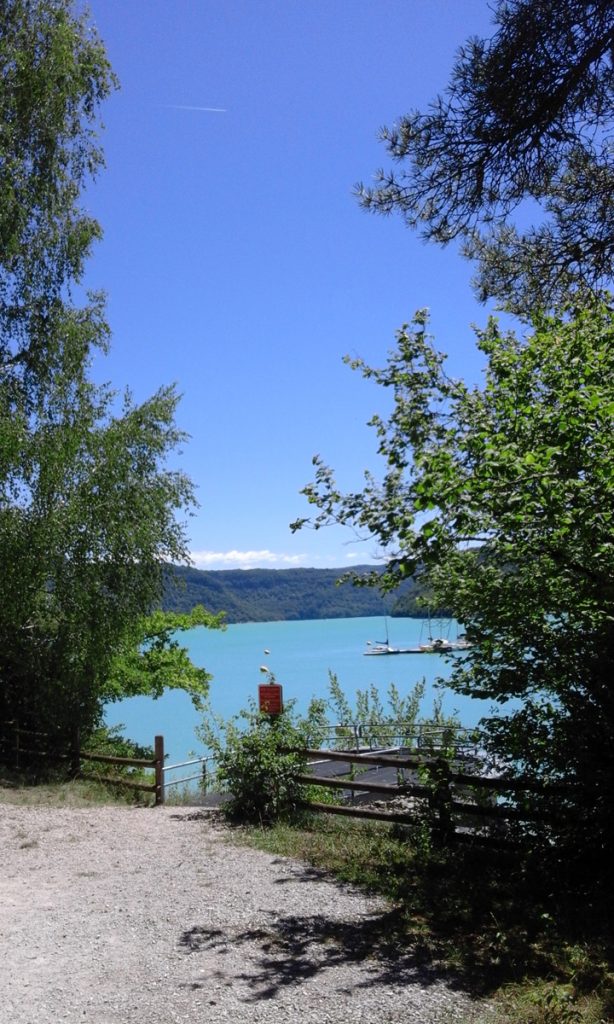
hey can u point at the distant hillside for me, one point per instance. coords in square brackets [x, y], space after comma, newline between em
[268, 595]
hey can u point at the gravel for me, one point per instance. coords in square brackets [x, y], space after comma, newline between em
[113, 915]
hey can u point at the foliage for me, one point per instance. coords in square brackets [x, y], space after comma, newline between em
[252, 762]
[263, 781]
[413, 602]
[89, 510]
[55, 74]
[523, 128]
[369, 721]
[110, 740]
[87, 516]
[151, 658]
[496, 923]
[502, 497]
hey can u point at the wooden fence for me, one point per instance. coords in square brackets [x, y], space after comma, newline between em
[460, 803]
[23, 746]
[157, 763]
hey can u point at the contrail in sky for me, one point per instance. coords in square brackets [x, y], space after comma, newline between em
[183, 106]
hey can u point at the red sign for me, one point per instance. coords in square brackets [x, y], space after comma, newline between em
[270, 698]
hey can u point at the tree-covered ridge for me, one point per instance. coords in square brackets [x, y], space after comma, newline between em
[268, 595]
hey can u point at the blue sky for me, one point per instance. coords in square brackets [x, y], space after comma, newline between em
[236, 260]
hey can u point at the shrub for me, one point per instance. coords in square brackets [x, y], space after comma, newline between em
[252, 761]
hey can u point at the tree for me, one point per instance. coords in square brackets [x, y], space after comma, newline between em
[523, 130]
[87, 522]
[90, 513]
[152, 659]
[55, 74]
[501, 499]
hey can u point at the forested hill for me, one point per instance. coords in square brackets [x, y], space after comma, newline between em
[267, 595]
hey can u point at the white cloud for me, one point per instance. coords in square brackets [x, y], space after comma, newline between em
[244, 559]
[266, 559]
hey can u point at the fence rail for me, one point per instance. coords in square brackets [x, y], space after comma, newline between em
[136, 762]
[45, 746]
[396, 734]
[39, 745]
[201, 775]
[460, 802]
[48, 746]
[456, 818]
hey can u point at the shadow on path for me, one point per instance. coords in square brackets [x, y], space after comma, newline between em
[292, 949]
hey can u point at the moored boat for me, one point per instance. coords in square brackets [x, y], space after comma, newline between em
[434, 645]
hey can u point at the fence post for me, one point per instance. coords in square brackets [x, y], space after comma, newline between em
[75, 753]
[159, 755]
[441, 802]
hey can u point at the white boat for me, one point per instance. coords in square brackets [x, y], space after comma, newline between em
[379, 649]
[435, 645]
[443, 644]
[383, 648]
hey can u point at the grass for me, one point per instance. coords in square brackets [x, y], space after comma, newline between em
[16, 788]
[542, 955]
[180, 795]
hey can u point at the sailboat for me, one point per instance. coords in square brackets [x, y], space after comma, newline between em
[383, 647]
[443, 644]
[434, 645]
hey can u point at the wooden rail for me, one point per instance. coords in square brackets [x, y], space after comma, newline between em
[71, 750]
[137, 762]
[360, 757]
[157, 763]
[385, 788]
[441, 794]
[349, 811]
[39, 744]
[500, 783]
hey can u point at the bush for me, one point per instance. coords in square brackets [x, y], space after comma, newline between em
[263, 780]
[252, 762]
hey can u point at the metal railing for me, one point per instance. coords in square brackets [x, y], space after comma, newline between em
[203, 776]
[407, 735]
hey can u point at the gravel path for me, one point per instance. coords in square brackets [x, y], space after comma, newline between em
[113, 915]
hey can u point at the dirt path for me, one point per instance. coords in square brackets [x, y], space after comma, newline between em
[114, 915]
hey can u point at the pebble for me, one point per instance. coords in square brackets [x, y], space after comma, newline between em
[158, 918]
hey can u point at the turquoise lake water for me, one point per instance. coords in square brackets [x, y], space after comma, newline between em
[301, 656]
